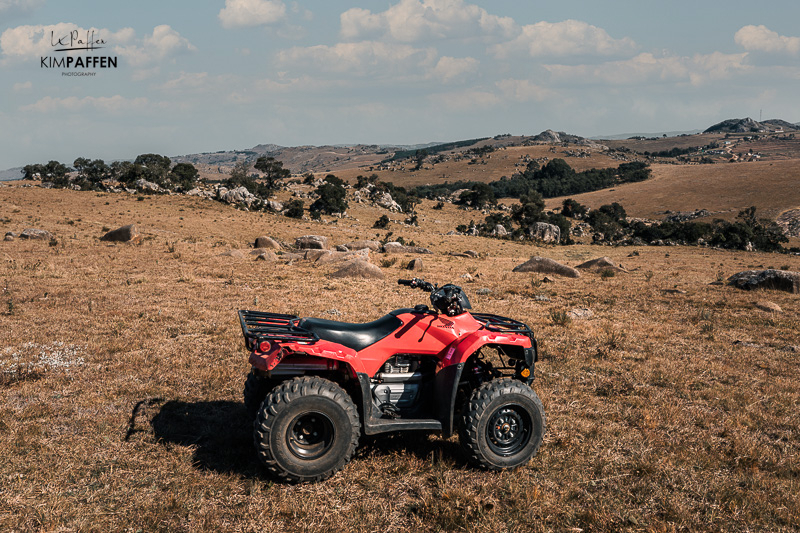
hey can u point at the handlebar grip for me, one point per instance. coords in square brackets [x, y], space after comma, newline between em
[408, 282]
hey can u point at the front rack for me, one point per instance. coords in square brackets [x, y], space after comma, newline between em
[260, 326]
[503, 324]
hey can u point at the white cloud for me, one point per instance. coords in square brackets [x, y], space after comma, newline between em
[570, 37]
[19, 5]
[647, 68]
[523, 91]
[163, 43]
[111, 104]
[762, 39]
[417, 20]
[448, 69]
[19, 87]
[360, 58]
[246, 13]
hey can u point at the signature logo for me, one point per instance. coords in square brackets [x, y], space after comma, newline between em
[72, 63]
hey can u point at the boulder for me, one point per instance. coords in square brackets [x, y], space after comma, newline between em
[499, 231]
[600, 264]
[314, 242]
[238, 254]
[359, 269]
[10, 236]
[341, 248]
[375, 246]
[397, 248]
[239, 195]
[266, 242]
[547, 266]
[335, 256]
[144, 185]
[266, 256]
[779, 280]
[123, 234]
[275, 206]
[471, 253]
[38, 234]
[415, 264]
[548, 233]
[386, 201]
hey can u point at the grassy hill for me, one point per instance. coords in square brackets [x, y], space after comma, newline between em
[673, 407]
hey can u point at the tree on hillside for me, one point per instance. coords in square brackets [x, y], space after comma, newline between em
[332, 197]
[154, 167]
[184, 175]
[273, 171]
[479, 196]
[52, 171]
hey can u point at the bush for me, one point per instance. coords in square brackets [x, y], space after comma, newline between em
[332, 197]
[382, 222]
[294, 209]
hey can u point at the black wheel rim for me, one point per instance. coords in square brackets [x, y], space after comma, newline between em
[509, 430]
[310, 435]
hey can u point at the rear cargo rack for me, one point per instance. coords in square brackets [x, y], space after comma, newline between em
[502, 324]
[258, 326]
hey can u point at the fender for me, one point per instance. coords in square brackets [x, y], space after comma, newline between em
[267, 361]
[449, 375]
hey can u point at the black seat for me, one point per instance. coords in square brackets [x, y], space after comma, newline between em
[355, 336]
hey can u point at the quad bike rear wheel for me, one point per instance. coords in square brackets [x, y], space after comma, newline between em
[503, 424]
[306, 429]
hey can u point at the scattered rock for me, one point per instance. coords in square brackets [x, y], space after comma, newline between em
[375, 246]
[267, 242]
[746, 344]
[292, 257]
[397, 248]
[541, 298]
[548, 280]
[341, 248]
[548, 233]
[468, 278]
[37, 234]
[144, 185]
[124, 234]
[275, 206]
[600, 264]
[770, 307]
[238, 254]
[791, 348]
[547, 266]
[267, 256]
[471, 253]
[580, 313]
[633, 254]
[673, 291]
[314, 242]
[483, 291]
[779, 280]
[10, 236]
[499, 231]
[359, 269]
[415, 264]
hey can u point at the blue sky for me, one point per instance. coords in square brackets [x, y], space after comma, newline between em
[230, 74]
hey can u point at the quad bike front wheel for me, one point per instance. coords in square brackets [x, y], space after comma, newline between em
[503, 424]
[306, 429]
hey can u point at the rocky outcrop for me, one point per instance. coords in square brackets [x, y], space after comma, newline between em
[771, 279]
[238, 196]
[790, 222]
[545, 265]
[266, 242]
[548, 233]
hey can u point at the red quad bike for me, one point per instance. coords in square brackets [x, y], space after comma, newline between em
[316, 384]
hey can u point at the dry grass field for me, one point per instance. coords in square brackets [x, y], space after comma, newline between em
[724, 189]
[673, 407]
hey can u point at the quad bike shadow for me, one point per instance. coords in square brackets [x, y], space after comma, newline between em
[222, 437]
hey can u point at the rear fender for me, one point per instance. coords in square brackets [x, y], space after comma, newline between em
[325, 350]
